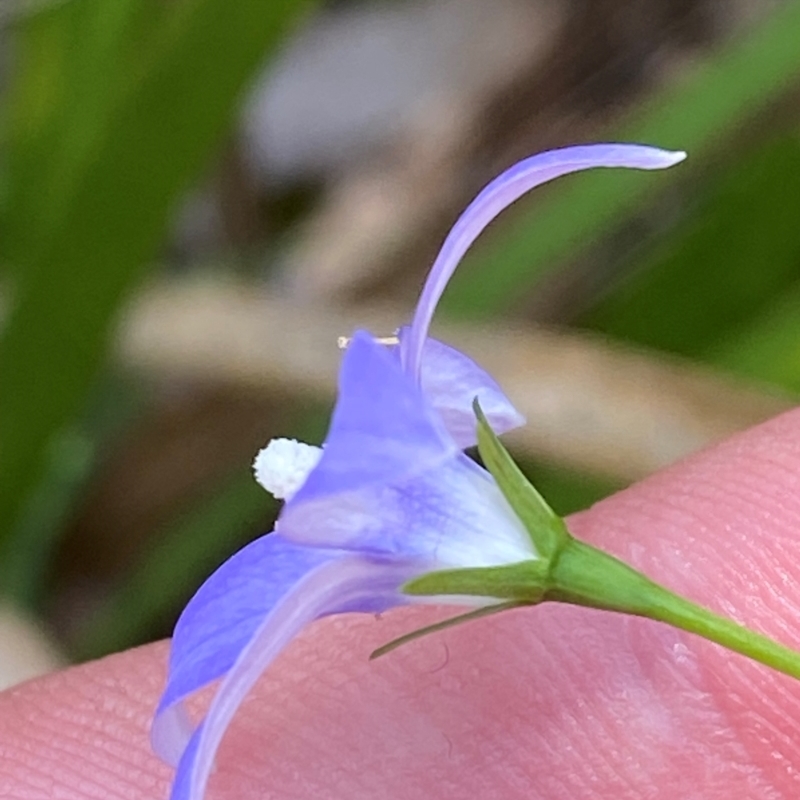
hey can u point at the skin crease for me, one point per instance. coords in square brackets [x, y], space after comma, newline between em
[544, 703]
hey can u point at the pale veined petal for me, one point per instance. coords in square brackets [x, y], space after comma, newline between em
[451, 381]
[434, 504]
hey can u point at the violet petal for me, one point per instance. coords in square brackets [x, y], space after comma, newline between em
[392, 481]
[349, 582]
[451, 516]
[220, 620]
[382, 429]
[451, 381]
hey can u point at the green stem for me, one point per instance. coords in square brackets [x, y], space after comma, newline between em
[584, 575]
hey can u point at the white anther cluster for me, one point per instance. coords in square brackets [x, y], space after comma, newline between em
[283, 466]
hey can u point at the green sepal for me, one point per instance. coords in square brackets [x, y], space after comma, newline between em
[476, 613]
[546, 529]
[525, 581]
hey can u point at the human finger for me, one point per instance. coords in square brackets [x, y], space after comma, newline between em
[549, 702]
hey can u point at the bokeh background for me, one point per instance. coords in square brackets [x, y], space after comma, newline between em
[197, 197]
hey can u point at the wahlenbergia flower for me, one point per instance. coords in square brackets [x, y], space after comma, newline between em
[387, 501]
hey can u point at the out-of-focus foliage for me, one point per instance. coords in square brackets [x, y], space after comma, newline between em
[737, 249]
[114, 108]
[767, 345]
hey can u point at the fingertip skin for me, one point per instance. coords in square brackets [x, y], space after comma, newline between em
[725, 531]
[82, 733]
[549, 702]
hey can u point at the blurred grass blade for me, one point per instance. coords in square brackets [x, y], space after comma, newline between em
[74, 65]
[116, 108]
[696, 115]
[767, 346]
[68, 464]
[727, 261]
[72, 457]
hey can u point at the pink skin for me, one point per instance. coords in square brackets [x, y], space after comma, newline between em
[544, 703]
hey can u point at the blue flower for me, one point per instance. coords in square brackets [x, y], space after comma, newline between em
[390, 496]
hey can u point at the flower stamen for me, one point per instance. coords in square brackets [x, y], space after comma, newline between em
[343, 342]
[283, 466]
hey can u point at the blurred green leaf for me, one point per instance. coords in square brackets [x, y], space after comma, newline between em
[71, 458]
[117, 106]
[697, 114]
[75, 65]
[723, 264]
[68, 464]
[767, 346]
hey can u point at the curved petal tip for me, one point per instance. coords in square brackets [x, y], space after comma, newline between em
[499, 194]
[672, 157]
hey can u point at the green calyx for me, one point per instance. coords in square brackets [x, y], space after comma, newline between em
[525, 582]
[567, 570]
[522, 582]
[547, 530]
